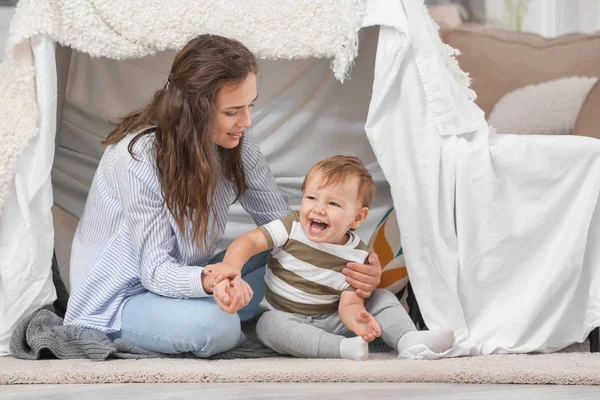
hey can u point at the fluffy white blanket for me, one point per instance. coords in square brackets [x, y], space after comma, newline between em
[135, 28]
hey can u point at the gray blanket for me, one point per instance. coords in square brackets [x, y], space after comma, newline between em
[43, 335]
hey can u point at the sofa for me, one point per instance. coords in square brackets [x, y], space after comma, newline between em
[501, 61]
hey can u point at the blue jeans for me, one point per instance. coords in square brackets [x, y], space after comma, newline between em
[172, 326]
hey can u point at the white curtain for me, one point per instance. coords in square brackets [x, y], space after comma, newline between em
[578, 16]
[558, 17]
[551, 18]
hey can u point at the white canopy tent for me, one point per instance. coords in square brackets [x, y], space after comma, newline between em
[500, 233]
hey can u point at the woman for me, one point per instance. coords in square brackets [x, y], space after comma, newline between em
[158, 207]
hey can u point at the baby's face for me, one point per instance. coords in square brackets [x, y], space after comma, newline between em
[328, 212]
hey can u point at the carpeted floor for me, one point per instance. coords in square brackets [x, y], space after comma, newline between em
[575, 366]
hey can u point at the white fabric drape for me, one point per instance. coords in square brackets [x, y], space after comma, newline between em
[500, 232]
[26, 231]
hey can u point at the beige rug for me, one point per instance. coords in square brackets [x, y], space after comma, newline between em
[576, 366]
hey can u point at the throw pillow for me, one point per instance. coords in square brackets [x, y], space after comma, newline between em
[548, 108]
[385, 241]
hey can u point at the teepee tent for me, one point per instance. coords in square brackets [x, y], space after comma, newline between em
[500, 233]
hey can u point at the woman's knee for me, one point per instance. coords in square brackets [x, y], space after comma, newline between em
[215, 333]
[179, 326]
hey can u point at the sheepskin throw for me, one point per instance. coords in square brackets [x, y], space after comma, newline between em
[136, 28]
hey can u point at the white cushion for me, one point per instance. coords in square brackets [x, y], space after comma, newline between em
[548, 108]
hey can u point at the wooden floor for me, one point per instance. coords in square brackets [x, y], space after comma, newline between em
[312, 391]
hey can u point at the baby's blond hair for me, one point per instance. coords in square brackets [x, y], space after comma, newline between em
[337, 169]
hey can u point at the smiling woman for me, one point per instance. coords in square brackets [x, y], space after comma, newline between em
[185, 123]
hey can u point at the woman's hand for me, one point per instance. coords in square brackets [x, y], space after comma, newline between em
[233, 295]
[364, 277]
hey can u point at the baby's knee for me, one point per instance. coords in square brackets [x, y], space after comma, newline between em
[265, 324]
[270, 325]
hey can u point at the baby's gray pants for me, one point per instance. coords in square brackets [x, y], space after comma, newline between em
[320, 336]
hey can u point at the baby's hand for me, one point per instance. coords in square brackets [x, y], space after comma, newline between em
[219, 272]
[365, 326]
[232, 296]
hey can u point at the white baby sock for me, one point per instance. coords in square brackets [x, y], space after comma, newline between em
[436, 341]
[354, 349]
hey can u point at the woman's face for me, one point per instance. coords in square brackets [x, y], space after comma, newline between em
[233, 111]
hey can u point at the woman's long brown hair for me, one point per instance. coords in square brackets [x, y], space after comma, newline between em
[182, 115]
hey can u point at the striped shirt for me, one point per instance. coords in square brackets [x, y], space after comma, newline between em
[127, 242]
[305, 277]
